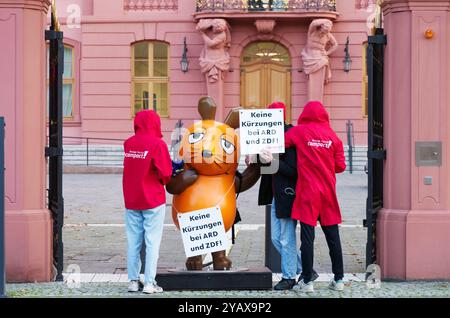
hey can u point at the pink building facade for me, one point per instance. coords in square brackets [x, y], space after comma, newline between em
[110, 41]
[115, 48]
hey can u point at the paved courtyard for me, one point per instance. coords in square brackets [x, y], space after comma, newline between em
[94, 238]
[353, 289]
[94, 233]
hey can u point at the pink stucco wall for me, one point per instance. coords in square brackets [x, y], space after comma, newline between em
[28, 223]
[414, 225]
[107, 30]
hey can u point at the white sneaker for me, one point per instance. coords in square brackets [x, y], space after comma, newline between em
[302, 287]
[336, 285]
[152, 289]
[133, 286]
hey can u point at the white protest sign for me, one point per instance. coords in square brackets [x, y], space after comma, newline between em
[202, 231]
[261, 129]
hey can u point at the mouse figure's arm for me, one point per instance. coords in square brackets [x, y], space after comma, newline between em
[181, 181]
[247, 179]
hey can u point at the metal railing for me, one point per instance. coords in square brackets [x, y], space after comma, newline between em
[2, 208]
[272, 258]
[350, 143]
[266, 5]
[87, 143]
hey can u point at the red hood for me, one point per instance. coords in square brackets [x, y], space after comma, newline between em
[279, 105]
[148, 122]
[314, 112]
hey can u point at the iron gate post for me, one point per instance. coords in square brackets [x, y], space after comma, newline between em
[87, 151]
[2, 208]
[350, 145]
[55, 143]
[376, 153]
[272, 257]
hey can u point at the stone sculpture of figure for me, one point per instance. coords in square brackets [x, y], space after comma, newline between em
[315, 55]
[214, 59]
[316, 63]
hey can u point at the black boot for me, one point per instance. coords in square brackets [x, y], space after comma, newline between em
[284, 284]
[313, 278]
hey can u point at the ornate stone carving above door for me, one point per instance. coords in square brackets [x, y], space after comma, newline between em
[265, 28]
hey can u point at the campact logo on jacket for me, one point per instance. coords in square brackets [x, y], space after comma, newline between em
[320, 144]
[146, 166]
[320, 157]
[136, 154]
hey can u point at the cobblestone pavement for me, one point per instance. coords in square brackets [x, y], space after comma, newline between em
[353, 289]
[94, 234]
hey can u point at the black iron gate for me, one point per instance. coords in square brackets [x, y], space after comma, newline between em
[2, 208]
[376, 153]
[54, 151]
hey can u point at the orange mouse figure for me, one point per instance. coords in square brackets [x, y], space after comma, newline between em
[210, 151]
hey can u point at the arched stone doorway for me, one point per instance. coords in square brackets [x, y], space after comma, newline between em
[266, 75]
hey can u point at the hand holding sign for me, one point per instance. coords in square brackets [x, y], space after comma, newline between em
[261, 129]
[266, 156]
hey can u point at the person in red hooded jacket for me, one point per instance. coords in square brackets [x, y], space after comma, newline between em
[278, 190]
[147, 168]
[320, 155]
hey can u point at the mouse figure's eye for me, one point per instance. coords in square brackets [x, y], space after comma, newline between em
[227, 146]
[195, 137]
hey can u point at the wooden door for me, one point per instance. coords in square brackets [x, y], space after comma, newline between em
[265, 83]
[279, 87]
[253, 86]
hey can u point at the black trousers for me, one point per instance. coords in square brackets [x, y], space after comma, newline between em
[307, 248]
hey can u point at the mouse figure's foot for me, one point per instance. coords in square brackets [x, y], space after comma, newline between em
[221, 261]
[194, 263]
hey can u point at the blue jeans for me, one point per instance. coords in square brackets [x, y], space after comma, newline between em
[140, 225]
[284, 240]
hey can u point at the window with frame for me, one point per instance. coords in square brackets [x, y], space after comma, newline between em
[68, 82]
[150, 77]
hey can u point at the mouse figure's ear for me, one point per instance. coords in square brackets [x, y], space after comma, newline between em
[232, 119]
[207, 108]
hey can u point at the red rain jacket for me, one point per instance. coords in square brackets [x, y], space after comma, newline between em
[320, 154]
[147, 166]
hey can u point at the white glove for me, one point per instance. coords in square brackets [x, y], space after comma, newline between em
[266, 156]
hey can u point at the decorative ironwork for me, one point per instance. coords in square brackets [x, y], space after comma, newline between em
[347, 59]
[54, 17]
[376, 152]
[266, 5]
[184, 60]
[265, 52]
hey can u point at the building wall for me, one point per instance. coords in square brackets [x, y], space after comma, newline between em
[107, 29]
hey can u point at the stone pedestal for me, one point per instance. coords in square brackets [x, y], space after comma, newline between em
[235, 279]
[316, 85]
[216, 92]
